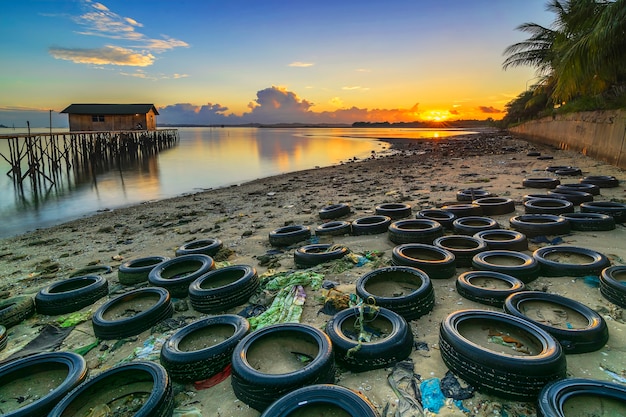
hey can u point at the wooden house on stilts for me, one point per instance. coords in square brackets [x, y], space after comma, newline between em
[111, 117]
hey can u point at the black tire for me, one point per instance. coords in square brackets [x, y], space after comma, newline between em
[136, 271]
[333, 397]
[395, 343]
[612, 285]
[471, 194]
[546, 182]
[215, 340]
[463, 247]
[438, 263]
[492, 206]
[555, 168]
[208, 246]
[516, 376]
[602, 181]
[223, 288]
[445, 218]
[14, 310]
[289, 235]
[405, 290]
[590, 337]
[334, 228]
[503, 239]
[260, 389]
[414, 231]
[371, 225]
[590, 222]
[159, 308]
[516, 264]
[548, 206]
[116, 385]
[471, 225]
[533, 225]
[71, 295]
[175, 275]
[569, 171]
[334, 211]
[487, 287]
[596, 261]
[394, 210]
[587, 188]
[319, 253]
[527, 197]
[575, 197]
[464, 210]
[616, 210]
[554, 396]
[28, 367]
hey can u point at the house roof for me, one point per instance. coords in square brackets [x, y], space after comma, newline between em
[110, 109]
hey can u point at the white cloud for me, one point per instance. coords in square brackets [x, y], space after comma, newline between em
[301, 64]
[109, 55]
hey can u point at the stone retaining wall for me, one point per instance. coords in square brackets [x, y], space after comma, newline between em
[599, 134]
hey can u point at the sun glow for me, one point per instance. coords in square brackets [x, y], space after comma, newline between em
[436, 115]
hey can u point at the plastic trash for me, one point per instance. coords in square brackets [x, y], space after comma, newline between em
[432, 397]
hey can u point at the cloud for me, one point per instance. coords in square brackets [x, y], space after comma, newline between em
[301, 64]
[356, 87]
[99, 20]
[108, 55]
[489, 109]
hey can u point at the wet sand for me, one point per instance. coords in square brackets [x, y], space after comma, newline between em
[422, 173]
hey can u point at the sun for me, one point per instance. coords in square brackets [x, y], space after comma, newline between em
[436, 115]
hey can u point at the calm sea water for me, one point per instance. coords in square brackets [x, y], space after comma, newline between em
[205, 158]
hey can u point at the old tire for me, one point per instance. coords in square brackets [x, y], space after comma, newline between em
[14, 310]
[319, 253]
[589, 337]
[463, 247]
[28, 368]
[533, 225]
[495, 205]
[395, 343]
[590, 222]
[3, 337]
[215, 339]
[574, 197]
[543, 182]
[334, 211]
[464, 210]
[371, 225]
[613, 285]
[405, 290]
[136, 271]
[471, 225]
[117, 384]
[258, 388]
[594, 263]
[158, 308]
[617, 210]
[471, 194]
[438, 263]
[552, 401]
[175, 275]
[208, 247]
[334, 228]
[548, 206]
[71, 295]
[223, 288]
[496, 369]
[394, 210]
[443, 217]
[289, 235]
[587, 188]
[334, 397]
[503, 239]
[414, 231]
[517, 264]
[487, 287]
[602, 181]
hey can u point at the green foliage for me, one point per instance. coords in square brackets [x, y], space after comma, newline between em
[581, 57]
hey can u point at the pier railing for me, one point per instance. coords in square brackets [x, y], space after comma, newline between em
[42, 157]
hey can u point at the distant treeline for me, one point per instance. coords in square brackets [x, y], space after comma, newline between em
[432, 125]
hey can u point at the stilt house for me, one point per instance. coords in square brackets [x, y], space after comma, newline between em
[111, 117]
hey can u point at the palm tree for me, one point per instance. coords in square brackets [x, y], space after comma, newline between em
[583, 53]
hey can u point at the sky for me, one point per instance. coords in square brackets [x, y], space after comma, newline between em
[271, 61]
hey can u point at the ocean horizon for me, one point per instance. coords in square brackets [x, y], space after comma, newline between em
[205, 158]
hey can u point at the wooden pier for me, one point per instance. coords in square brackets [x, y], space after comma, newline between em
[42, 157]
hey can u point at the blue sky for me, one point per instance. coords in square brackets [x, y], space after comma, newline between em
[264, 61]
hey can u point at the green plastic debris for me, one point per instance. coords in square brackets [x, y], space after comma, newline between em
[188, 411]
[286, 308]
[74, 319]
[85, 349]
[280, 280]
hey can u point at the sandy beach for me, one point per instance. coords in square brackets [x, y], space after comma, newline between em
[421, 173]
